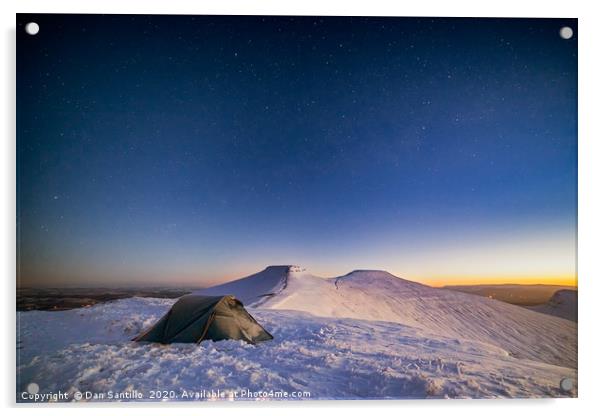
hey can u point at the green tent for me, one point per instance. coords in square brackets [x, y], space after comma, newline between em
[195, 318]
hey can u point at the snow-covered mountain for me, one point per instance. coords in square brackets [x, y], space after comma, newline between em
[365, 335]
[256, 288]
[380, 296]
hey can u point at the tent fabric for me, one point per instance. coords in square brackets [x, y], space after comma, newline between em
[195, 318]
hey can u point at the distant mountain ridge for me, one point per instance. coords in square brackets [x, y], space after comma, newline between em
[563, 305]
[517, 294]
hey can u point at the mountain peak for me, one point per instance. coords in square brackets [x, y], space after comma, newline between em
[363, 271]
[286, 268]
[369, 273]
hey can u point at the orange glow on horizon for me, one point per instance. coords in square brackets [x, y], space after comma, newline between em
[439, 281]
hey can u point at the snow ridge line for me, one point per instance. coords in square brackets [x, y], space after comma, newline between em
[267, 296]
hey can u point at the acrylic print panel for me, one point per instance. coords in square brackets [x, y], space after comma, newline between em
[295, 208]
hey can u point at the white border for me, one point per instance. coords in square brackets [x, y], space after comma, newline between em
[590, 202]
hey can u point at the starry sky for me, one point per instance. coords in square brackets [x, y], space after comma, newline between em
[168, 150]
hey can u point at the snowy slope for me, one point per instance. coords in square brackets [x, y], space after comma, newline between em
[378, 295]
[40, 332]
[562, 304]
[253, 289]
[89, 350]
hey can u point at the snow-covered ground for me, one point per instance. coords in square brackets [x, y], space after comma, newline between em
[364, 335]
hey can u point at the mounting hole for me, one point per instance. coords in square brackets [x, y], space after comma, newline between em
[32, 28]
[33, 388]
[567, 384]
[566, 32]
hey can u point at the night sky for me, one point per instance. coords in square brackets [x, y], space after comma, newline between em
[194, 149]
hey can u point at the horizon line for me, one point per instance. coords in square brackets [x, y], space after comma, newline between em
[570, 280]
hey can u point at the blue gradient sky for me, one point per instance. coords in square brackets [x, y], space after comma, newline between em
[189, 150]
